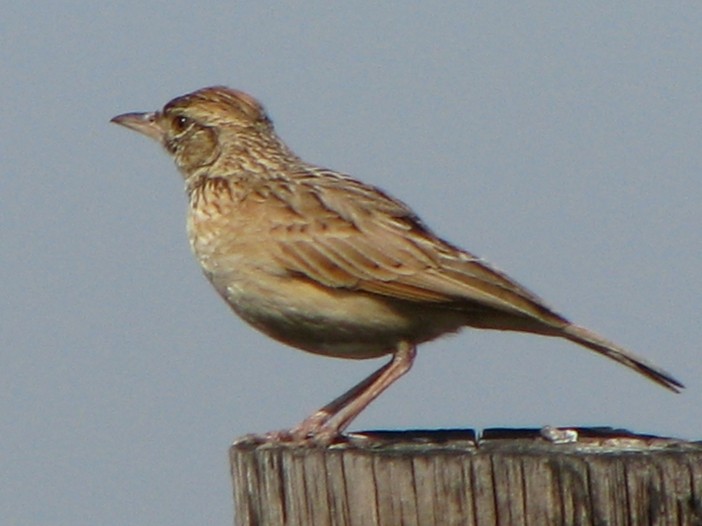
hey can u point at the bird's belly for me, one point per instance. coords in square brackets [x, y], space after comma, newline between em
[321, 320]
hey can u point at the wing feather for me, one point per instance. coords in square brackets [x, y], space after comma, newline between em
[381, 247]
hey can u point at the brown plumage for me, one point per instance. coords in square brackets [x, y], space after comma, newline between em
[328, 264]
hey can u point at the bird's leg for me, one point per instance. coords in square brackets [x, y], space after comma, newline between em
[327, 423]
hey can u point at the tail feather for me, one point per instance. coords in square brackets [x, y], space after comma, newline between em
[597, 343]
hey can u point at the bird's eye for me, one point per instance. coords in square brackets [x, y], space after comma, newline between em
[180, 123]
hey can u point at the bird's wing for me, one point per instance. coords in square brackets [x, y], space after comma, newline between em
[354, 236]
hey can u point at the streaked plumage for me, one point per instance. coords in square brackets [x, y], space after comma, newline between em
[326, 263]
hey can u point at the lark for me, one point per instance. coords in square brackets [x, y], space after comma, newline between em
[325, 263]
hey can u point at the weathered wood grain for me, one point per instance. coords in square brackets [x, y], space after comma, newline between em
[506, 478]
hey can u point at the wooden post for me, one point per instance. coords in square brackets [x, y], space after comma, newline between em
[507, 477]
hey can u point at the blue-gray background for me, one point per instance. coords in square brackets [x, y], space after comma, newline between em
[561, 142]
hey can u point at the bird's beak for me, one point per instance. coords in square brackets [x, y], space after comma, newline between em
[145, 123]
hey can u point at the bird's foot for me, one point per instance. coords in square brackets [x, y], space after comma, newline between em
[316, 430]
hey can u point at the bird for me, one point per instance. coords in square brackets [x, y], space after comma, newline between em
[325, 263]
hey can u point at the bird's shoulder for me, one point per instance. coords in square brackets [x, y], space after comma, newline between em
[334, 202]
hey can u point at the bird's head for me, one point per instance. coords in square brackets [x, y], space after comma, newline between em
[215, 125]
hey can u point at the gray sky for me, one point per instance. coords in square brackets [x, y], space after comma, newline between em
[561, 142]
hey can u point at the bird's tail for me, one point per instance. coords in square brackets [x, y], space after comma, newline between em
[611, 350]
